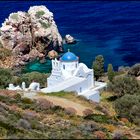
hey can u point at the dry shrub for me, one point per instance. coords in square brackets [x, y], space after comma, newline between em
[87, 112]
[128, 135]
[27, 100]
[89, 126]
[8, 93]
[4, 53]
[70, 111]
[118, 134]
[125, 120]
[30, 114]
[100, 135]
[14, 107]
[82, 98]
[93, 103]
[110, 128]
[103, 109]
[3, 106]
[24, 123]
[44, 104]
[2, 110]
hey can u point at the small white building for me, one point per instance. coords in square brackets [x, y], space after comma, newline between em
[69, 75]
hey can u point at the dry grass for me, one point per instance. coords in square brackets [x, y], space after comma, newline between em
[109, 105]
[84, 102]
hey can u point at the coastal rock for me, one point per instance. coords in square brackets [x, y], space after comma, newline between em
[31, 34]
[134, 70]
[52, 54]
[123, 69]
[69, 39]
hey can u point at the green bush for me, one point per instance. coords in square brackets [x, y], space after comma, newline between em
[97, 118]
[16, 80]
[98, 66]
[5, 77]
[39, 14]
[17, 97]
[26, 100]
[44, 24]
[3, 132]
[34, 76]
[58, 110]
[110, 72]
[4, 53]
[124, 85]
[60, 94]
[14, 16]
[1, 46]
[128, 107]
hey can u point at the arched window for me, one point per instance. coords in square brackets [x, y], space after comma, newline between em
[63, 66]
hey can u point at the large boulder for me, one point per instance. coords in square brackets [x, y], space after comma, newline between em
[123, 69]
[31, 34]
[69, 39]
[52, 54]
[135, 70]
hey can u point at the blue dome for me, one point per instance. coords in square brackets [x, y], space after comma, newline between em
[68, 57]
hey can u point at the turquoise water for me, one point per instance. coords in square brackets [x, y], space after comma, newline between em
[37, 66]
[81, 51]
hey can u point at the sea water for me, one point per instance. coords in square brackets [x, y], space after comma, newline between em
[111, 29]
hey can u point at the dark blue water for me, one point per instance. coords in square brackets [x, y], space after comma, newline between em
[111, 29]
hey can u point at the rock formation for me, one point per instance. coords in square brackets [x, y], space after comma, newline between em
[30, 34]
[52, 54]
[134, 70]
[123, 69]
[69, 39]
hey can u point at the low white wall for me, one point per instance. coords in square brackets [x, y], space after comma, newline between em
[80, 87]
[94, 97]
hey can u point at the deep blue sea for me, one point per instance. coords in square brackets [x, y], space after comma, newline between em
[111, 29]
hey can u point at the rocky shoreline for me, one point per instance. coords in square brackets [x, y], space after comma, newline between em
[30, 35]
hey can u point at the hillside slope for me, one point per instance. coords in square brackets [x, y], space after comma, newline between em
[40, 118]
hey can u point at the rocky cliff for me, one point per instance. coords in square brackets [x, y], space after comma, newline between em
[31, 34]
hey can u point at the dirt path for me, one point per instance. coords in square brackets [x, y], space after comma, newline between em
[65, 103]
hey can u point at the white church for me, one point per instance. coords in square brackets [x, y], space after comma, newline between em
[69, 75]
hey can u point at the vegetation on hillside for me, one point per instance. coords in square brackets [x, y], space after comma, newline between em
[110, 72]
[21, 117]
[14, 16]
[8, 76]
[113, 118]
[44, 24]
[4, 53]
[98, 66]
[5, 77]
[39, 14]
[126, 95]
[122, 85]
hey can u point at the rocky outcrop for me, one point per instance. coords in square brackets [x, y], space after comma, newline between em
[52, 54]
[69, 39]
[30, 34]
[134, 70]
[123, 69]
